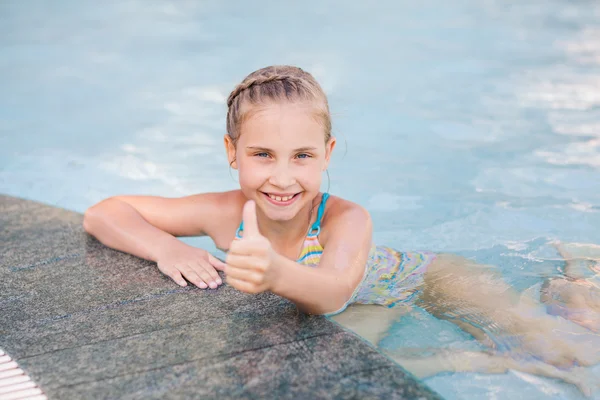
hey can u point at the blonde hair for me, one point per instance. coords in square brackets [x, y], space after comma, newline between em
[276, 83]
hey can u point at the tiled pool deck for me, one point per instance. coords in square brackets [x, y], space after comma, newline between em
[85, 321]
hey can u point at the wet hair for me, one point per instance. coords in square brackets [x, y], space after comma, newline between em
[275, 84]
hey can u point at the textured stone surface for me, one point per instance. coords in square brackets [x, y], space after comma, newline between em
[85, 321]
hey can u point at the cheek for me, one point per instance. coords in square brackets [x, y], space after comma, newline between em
[251, 174]
[310, 175]
[247, 178]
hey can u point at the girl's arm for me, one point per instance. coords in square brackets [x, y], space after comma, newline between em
[327, 288]
[147, 226]
[142, 225]
[118, 225]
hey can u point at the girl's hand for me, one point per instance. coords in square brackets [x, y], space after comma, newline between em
[179, 261]
[250, 261]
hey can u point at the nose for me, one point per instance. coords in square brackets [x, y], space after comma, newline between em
[282, 176]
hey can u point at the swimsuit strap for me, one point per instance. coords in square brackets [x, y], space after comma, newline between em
[315, 227]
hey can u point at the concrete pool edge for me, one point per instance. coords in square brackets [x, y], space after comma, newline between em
[82, 319]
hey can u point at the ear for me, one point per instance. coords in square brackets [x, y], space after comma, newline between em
[328, 150]
[230, 149]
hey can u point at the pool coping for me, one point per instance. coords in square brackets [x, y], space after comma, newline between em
[83, 320]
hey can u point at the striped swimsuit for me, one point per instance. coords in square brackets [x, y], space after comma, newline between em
[390, 276]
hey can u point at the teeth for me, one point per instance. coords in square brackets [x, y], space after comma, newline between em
[278, 198]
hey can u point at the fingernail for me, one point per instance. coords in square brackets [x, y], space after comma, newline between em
[201, 285]
[213, 285]
[183, 283]
[219, 281]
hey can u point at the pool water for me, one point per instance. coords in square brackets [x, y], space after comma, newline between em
[470, 127]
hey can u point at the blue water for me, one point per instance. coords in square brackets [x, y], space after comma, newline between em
[470, 126]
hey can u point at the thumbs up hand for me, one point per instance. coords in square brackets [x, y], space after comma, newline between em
[250, 261]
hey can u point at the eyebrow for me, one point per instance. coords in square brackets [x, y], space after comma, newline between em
[307, 148]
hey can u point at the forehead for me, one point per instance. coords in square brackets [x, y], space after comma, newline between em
[282, 125]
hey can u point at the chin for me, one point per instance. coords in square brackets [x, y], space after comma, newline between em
[281, 218]
[279, 215]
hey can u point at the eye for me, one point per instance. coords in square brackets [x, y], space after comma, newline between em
[304, 155]
[262, 155]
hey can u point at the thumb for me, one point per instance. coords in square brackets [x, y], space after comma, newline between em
[250, 221]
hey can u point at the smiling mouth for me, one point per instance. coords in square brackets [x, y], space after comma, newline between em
[281, 200]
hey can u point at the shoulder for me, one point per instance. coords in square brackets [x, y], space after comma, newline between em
[219, 214]
[226, 215]
[224, 201]
[214, 206]
[343, 216]
[346, 237]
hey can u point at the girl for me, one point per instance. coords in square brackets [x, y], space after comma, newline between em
[284, 236]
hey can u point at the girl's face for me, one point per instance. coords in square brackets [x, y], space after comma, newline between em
[280, 155]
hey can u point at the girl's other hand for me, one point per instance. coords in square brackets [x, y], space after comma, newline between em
[179, 260]
[250, 260]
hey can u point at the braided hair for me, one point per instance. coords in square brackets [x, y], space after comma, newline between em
[276, 83]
